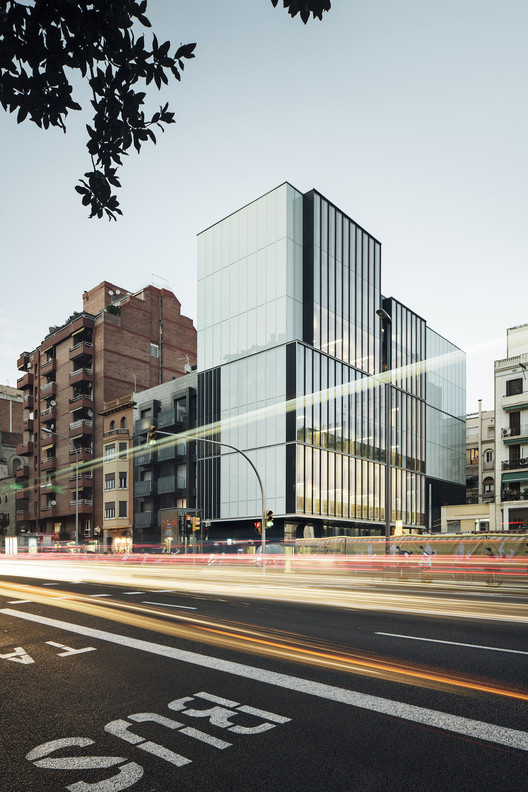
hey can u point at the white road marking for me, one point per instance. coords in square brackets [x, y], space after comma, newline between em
[69, 651]
[133, 592]
[166, 605]
[18, 602]
[98, 595]
[453, 643]
[206, 738]
[51, 584]
[18, 655]
[479, 730]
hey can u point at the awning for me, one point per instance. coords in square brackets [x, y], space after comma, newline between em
[510, 477]
[510, 407]
[45, 448]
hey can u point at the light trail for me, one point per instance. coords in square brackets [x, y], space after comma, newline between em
[290, 647]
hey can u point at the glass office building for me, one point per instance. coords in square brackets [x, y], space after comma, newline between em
[308, 369]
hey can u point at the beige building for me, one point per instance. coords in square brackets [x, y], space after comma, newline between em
[480, 456]
[115, 533]
[497, 451]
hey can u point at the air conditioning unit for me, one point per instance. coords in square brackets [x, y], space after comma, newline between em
[87, 532]
[506, 432]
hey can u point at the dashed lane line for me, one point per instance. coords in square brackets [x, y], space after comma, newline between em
[166, 605]
[453, 643]
[456, 724]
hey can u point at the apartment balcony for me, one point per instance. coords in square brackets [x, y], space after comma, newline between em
[85, 506]
[144, 488]
[50, 463]
[81, 375]
[142, 424]
[28, 424]
[517, 401]
[22, 515]
[176, 452]
[22, 472]
[48, 366]
[24, 449]
[83, 349]
[48, 391]
[514, 495]
[21, 495]
[118, 431]
[85, 480]
[23, 361]
[26, 381]
[48, 414]
[144, 459]
[81, 401]
[47, 512]
[515, 435]
[28, 402]
[146, 519]
[171, 418]
[80, 428]
[83, 454]
[515, 464]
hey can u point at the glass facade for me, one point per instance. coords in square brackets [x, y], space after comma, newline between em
[250, 279]
[343, 285]
[317, 377]
[341, 443]
[446, 409]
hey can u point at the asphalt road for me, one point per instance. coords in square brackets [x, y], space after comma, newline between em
[106, 686]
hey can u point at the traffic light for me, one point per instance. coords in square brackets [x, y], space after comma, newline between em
[258, 529]
[196, 523]
[152, 435]
[269, 518]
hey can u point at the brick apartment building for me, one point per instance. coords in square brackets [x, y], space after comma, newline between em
[11, 409]
[121, 342]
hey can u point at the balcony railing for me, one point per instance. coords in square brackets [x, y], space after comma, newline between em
[515, 431]
[81, 424]
[146, 519]
[144, 488]
[24, 449]
[111, 432]
[49, 463]
[48, 388]
[26, 381]
[81, 397]
[515, 464]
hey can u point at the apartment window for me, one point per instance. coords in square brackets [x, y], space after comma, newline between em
[109, 481]
[123, 479]
[112, 425]
[453, 526]
[109, 510]
[123, 508]
[489, 456]
[154, 350]
[514, 452]
[473, 456]
[109, 453]
[123, 450]
[123, 423]
[514, 387]
[489, 486]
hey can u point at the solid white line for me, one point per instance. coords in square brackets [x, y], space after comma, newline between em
[453, 643]
[166, 605]
[98, 595]
[133, 592]
[18, 602]
[479, 730]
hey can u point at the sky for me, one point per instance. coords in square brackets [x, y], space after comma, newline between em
[411, 117]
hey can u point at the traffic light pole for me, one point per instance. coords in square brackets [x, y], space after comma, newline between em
[153, 432]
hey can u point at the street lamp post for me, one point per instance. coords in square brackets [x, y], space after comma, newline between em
[50, 431]
[234, 448]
